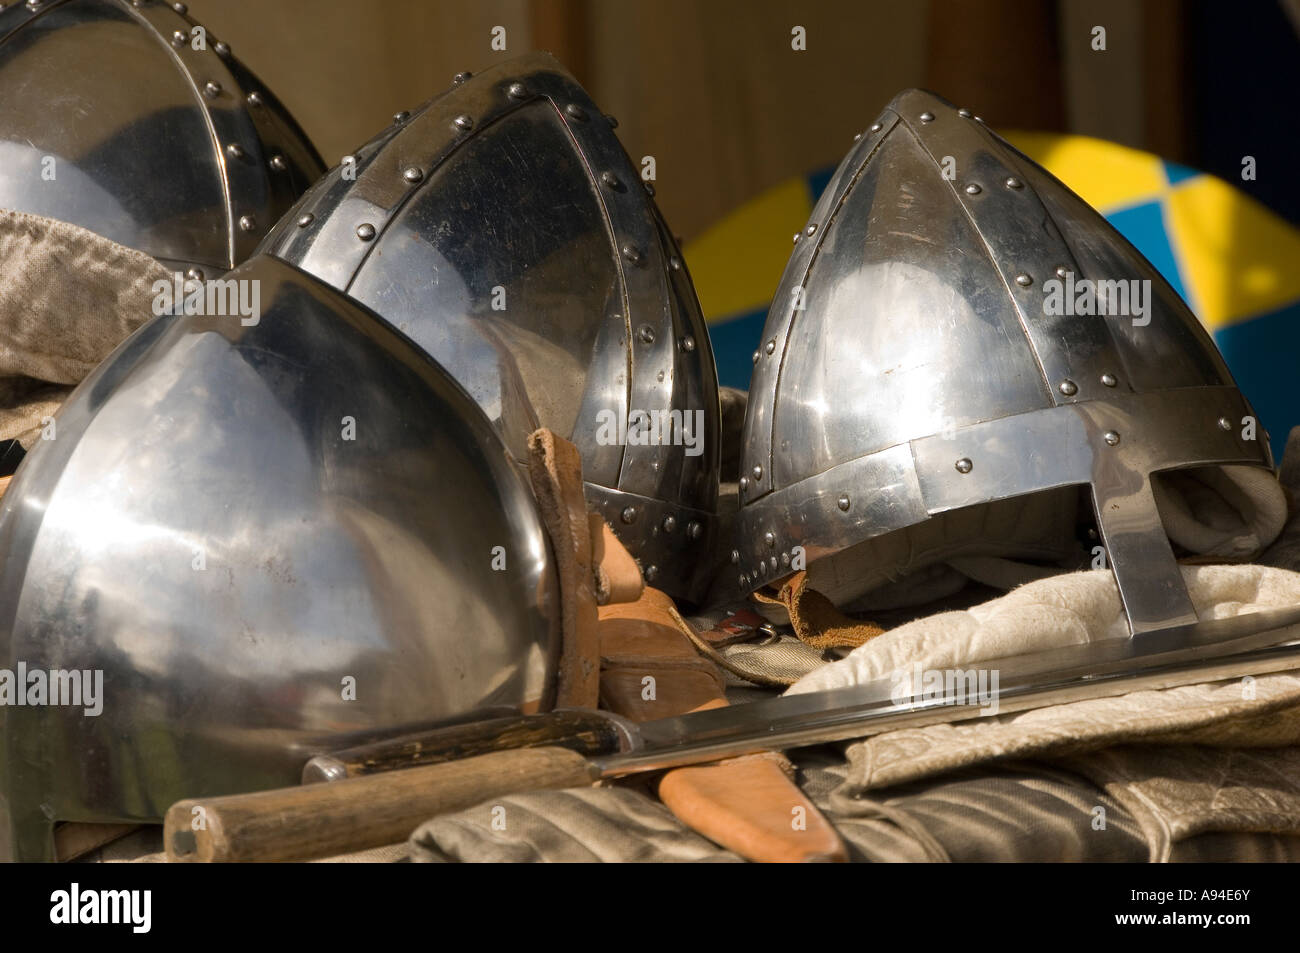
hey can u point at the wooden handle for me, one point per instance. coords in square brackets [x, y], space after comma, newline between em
[322, 820]
[581, 730]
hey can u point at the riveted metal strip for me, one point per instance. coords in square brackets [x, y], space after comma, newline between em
[674, 544]
[786, 305]
[695, 475]
[856, 500]
[236, 143]
[18, 13]
[1075, 353]
[1114, 446]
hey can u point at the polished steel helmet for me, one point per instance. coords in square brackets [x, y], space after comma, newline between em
[261, 535]
[931, 358]
[502, 226]
[126, 118]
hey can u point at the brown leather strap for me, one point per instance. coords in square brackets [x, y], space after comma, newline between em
[555, 470]
[650, 669]
[815, 619]
[618, 578]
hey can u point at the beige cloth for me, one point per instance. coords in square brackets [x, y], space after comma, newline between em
[68, 297]
[1049, 613]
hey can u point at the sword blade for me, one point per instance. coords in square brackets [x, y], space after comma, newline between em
[1212, 650]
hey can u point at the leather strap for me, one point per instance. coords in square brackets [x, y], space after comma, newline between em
[555, 470]
[618, 578]
[650, 669]
[815, 619]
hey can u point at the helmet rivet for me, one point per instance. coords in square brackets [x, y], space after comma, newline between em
[278, 163]
[235, 150]
[688, 343]
[651, 572]
[461, 77]
[247, 223]
[628, 515]
[735, 557]
[769, 540]
[1069, 388]
[365, 231]
[412, 174]
[223, 49]
[611, 181]
[744, 484]
[694, 530]
[1062, 271]
[675, 263]
[964, 113]
[631, 254]
[771, 346]
[574, 111]
[613, 123]
[401, 117]
[669, 524]
[646, 334]
[1111, 437]
[1108, 380]
[211, 89]
[973, 189]
[194, 274]
[517, 91]
[306, 219]
[463, 123]
[180, 8]
[964, 465]
[876, 127]
[1023, 280]
[857, 137]
[254, 98]
[927, 117]
[179, 38]
[843, 503]
[741, 580]
[771, 563]
[811, 230]
[758, 473]
[1014, 183]
[797, 236]
[755, 357]
[1225, 423]
[785, 559]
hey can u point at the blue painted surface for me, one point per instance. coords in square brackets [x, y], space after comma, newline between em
[1264, 356]
[734, 343]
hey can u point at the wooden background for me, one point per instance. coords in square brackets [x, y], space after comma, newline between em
[712, 88]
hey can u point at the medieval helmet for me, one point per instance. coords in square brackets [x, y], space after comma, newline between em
[260, 535]
[502, 226]
[126, 118]
[929, 386]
